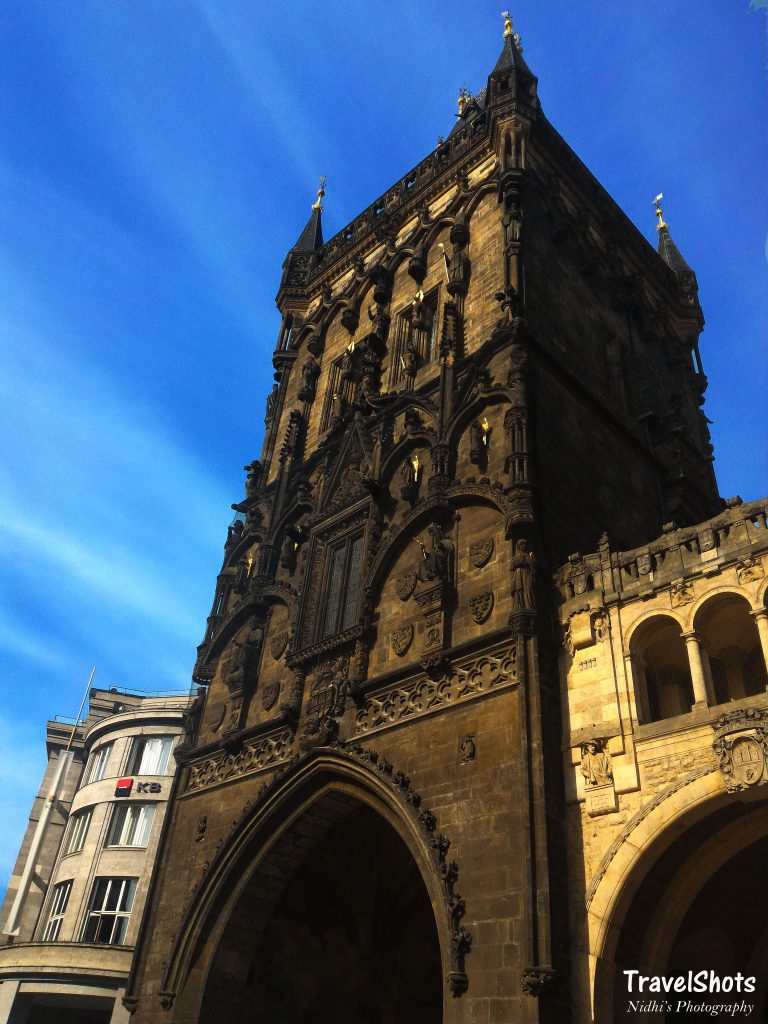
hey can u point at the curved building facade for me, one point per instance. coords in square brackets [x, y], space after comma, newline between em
[76, 924]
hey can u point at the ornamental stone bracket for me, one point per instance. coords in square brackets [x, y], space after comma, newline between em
[741, 747]
[534, 980]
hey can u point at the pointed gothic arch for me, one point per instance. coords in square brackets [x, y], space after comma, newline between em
[275, 838]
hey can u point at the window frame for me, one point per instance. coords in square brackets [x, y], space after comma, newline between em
[125, 811]
[78, 831]
[119, 915]
[349, 598]
[96, 767]
[57, 910]
[137, 753]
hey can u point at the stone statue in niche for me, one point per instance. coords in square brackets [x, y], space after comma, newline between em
[242, 657]
[596, 764]
[310, 371]
[467, 749]
[523, 570]
[271, 405]
[437, 564]
[410, 358]
[252, 480]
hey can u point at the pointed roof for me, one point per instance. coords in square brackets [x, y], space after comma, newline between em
[670, 253]
[511, 57]
[311, 238]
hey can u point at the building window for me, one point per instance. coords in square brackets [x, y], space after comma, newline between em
[342, 586]
[131, 825]
[149, 755]
[340, 392]
[58, 909]
[415, 343]
[109, 910]
[661, 670]
[96, 768]
[78, 830]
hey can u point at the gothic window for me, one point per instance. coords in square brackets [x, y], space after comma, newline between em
[416, 341]
[342, 585]
[340, 390]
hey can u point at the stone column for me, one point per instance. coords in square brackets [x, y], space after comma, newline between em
[697, 668]
[635, 672]
[761, 618]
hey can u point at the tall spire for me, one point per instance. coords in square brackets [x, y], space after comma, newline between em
[511, 57]
[311, 238]
[666, 247]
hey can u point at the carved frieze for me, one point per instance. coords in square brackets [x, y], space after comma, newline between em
[481, 606]
[402, 638]
[741, 747]
[255, 756]
[421, 696]
[481, 552]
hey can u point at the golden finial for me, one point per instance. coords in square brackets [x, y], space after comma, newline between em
[318, 204]
[507, 23]
[464, 97]
[660, 212]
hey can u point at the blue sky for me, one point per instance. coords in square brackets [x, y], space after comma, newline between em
[158, 158]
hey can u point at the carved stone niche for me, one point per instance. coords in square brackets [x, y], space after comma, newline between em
[741, 747]
[597, 770]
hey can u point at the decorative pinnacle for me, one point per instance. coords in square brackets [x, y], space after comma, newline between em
[464, 97]
[509, 31]
[318, 204]
[659, 212]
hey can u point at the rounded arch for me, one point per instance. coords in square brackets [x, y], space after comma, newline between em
[761, 601]
[731, 646]
[275, 836]
[653, 613]
[660, 668]
[696, 607]
[672, 847]
[471, 411]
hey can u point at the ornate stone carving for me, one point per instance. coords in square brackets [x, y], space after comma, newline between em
[596, 763]
[681, 594]
[421, 696]
[255, 755]
[405, 585]
[523, 569]
[327, 693]
[481, 552]
[467, 749]
[481, 606]
[741, 746]
[278, 644]
[534, 980]
[402, 638]
[749, 570]
[269, 694]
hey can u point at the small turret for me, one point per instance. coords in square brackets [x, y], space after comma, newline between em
[673, 257]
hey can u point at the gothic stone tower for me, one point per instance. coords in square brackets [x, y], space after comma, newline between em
[479, 375]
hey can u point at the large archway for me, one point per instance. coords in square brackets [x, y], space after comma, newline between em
[690, 910]
[335, 924]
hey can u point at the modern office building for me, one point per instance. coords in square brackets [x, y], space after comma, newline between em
[75, 899]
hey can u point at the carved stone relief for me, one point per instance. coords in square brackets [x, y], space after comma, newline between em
[481, 552]
[278, 644]
[269, 694]
[749, 570]
[741, 746]
[405, 585]
[402, 638]
[681, 594]
[481, 606]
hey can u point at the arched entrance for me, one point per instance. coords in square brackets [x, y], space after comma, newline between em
[335, 925]
[699, 905]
